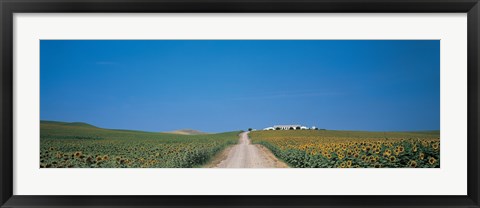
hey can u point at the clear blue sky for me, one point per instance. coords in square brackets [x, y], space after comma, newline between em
[217, 86]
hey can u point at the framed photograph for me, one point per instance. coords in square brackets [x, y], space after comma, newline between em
[266, 103]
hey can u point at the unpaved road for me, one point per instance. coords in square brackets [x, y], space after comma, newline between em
[246, 155]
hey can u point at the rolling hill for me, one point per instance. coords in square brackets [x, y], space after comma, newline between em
[186, 132]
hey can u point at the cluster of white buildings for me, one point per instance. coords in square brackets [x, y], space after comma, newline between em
[289, 127]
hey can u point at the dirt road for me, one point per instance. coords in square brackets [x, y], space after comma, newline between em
[247, 155]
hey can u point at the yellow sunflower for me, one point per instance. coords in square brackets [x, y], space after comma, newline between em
[77, 154]
[421, 156]
[412, 164]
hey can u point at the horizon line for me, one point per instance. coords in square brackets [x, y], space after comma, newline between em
[319, 129]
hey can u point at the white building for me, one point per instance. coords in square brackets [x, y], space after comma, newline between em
[286, 127]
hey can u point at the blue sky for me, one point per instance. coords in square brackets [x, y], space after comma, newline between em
[224, 85]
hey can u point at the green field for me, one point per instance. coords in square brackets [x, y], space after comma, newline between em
[352, 149]
[80, 145]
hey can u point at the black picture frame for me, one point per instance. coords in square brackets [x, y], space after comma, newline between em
[9, 7]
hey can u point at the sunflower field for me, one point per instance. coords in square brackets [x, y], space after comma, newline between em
[79, 145]
[352, 149]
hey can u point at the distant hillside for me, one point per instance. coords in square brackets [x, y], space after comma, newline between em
[80, 124]
[82, 128]
[186, 132]
[344, 134]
